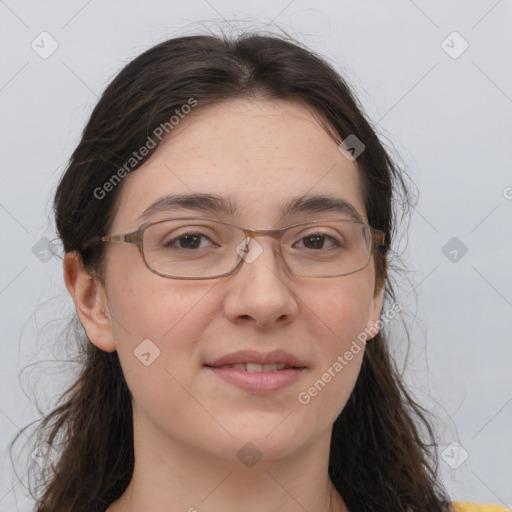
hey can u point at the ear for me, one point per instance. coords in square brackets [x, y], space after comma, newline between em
[374, 324]
[90, 302]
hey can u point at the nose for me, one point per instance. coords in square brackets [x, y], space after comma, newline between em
[260, 290]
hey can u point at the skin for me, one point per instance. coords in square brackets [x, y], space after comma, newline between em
[190, 424]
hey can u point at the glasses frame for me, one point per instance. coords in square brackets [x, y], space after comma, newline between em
[378, 239]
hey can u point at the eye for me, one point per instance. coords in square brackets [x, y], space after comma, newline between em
[188, 241]
[318, 241]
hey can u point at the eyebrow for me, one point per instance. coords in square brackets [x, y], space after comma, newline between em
[214, 204]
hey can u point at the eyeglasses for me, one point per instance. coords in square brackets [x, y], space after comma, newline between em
[202, 248]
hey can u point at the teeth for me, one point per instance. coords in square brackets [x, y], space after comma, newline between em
[257, 368]
[254, 368]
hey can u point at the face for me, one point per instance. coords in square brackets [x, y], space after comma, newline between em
[258, 155]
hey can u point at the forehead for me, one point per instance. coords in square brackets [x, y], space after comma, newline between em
[256, 154]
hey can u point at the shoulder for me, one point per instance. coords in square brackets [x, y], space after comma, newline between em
[458, 506]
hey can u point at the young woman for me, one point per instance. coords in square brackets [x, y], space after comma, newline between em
[226, 220]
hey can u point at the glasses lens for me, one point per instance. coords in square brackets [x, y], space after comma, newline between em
[327, 248]
[200, 248]
[191, 248]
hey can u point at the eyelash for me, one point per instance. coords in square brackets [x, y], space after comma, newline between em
[325, 236]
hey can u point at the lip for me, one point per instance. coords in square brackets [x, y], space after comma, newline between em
[262, 382]
[252, 356]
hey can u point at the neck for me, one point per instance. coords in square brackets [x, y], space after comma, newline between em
[171, 477]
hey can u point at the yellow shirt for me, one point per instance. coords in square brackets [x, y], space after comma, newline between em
[458, 506]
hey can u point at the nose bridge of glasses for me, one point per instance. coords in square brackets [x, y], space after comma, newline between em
[276, 234]
[252, 248]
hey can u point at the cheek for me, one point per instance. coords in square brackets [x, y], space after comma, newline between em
[157, 325]
[342, 314]
[343, 310]
[144, 304]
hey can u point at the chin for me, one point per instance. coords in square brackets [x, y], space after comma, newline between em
[266, 441]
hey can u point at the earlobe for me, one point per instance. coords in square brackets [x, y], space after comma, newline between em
[89, 297]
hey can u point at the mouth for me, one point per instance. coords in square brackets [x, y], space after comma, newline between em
[256, 368]
[258, 372]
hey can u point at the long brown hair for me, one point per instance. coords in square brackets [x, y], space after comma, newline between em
[379, 459]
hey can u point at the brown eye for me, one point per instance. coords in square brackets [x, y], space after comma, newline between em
[318, 241]
[187, 241]
[184, 242]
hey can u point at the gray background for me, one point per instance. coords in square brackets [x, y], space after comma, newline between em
[448, 116]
